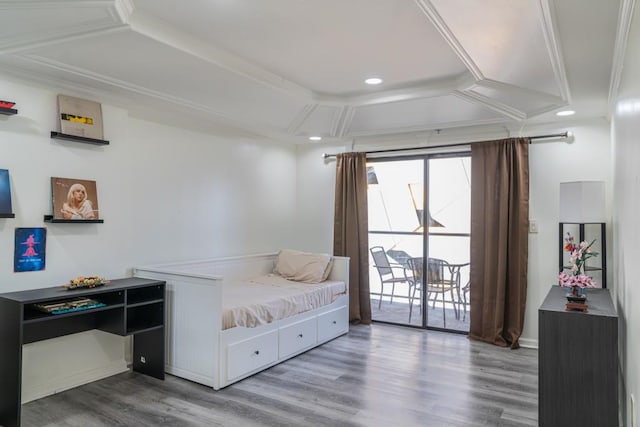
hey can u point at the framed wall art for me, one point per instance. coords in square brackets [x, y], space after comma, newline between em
[30, 249]
[5, 192]
[80, 117]
[74, 198]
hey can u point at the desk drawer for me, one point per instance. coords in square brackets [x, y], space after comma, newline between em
[249, 355]
[297, 337]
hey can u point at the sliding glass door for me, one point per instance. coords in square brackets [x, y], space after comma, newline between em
[448, 242]
[420, 260]
[395, 238]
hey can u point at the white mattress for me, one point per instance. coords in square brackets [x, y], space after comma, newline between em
[261, 300]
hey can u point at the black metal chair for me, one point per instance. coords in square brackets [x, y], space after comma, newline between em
[390, 273]
[441, 278]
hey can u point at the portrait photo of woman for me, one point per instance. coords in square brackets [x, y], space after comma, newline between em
[74, 198]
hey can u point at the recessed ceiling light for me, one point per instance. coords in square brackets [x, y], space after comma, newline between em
[565, 113]
[373, 81]
[315, 138]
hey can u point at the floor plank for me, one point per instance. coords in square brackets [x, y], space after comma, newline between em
[375, 375]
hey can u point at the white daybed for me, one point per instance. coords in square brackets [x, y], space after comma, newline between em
[201, 350]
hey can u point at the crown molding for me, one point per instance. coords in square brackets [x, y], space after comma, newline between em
[121, 10]
[465, 81]
[439, 87]
[47, 4]
[497, 106]
[117, 10]
[342, 121]
[546, 109]
[429, 9]
[300, 118]
[262, 129]
[553, 48]
[338, 115]
[470, 134]
[23, 44]
[54, 84]
[120, 84]
[625, 18]
[542, 96]
[424, 128]
[160, 32]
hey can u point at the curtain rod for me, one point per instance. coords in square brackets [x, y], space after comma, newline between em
[395, 150]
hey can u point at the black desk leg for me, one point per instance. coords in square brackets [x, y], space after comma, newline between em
[148, 353]
[10, 363]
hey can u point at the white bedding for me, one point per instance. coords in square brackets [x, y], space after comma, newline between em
[261, 300]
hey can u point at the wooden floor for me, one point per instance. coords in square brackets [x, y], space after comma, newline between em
[376, 375]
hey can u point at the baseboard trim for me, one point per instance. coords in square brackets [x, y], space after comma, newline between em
[189, 375]
[528, 343]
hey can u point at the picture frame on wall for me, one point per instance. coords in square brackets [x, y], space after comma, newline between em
[5, 192]
[30, 246]
[74, 198]
[80, 117]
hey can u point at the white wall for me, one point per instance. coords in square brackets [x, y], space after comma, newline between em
[585, 157]
[316, 179]
[165, 194]
[626, 208]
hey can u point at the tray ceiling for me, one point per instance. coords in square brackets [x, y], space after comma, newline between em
[289, 69]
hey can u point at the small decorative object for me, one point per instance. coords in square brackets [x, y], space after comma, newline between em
[74, 198]
[6, 104]
[577, 281]
[85, 282]
[80, 117]
[29, 249]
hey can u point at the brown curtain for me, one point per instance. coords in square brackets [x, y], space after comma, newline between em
[351, 230]
[499, 240]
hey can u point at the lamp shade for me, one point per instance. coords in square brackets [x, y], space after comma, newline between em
[582, 202]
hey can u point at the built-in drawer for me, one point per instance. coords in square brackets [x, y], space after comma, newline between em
[333, 323]
[246, 356]
[297, 337]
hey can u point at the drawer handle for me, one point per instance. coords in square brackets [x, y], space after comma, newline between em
[257, 352]
[334, 322]
[299, 335]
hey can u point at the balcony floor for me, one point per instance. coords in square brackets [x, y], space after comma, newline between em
[398, 312]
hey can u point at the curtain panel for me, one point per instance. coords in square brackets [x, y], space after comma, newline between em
[351, 230]
[499, 240]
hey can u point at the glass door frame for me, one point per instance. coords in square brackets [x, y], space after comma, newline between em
[425, 230]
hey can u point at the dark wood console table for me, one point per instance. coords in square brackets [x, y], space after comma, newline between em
[132, 306]
[578, 361]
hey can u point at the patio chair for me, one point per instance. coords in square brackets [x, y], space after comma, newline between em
[441, 278]
[399, 257]
[465, 300]
[390, 273]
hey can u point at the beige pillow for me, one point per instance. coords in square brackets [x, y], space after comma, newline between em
[303, 266]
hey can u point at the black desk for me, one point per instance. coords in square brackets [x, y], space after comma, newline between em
[578, 361]
[133, 307]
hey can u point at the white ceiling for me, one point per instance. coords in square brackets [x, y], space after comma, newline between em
[288, 69]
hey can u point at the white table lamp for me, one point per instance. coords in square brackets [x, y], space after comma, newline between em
[582, 202]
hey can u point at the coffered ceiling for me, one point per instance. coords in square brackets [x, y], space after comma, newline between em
[290, 69]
